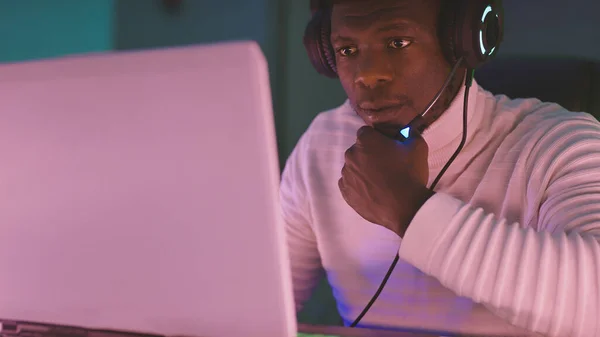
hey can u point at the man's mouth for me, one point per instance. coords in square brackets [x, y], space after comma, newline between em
[372, 108]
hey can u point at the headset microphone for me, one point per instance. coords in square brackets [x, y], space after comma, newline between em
[418, 124]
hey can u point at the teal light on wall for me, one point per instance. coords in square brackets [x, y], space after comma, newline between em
[35, 29]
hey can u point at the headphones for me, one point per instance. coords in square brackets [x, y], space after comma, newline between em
[468, 29]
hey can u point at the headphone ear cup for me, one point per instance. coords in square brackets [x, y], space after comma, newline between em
[473, 30]
[318, 45]
[493, 27]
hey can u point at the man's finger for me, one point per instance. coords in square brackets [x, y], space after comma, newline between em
[345, 192]
[342, 188]
[416, 143]
[350, 172]
[363, 129]
[349, 154]
[367, 135]
[344, 171]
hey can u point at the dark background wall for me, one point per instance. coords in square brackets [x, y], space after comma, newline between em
[31, 29]
[146, 24]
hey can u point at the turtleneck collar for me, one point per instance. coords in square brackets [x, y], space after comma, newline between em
[444, 135]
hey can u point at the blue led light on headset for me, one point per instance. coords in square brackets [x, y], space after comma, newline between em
[405, 132]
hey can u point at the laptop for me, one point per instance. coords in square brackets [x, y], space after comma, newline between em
[139, 194]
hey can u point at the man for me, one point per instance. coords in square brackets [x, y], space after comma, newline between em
[507, 242]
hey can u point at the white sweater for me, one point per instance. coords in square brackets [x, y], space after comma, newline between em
[510, 239]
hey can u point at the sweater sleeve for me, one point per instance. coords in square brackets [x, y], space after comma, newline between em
[544, 276]
[302, 244]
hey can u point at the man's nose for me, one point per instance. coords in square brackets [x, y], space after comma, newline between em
[373, 72]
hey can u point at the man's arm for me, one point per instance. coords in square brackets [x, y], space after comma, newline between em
[547, 281]
[302, 244]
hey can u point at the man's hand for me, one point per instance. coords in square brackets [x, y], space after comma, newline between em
[384, 180]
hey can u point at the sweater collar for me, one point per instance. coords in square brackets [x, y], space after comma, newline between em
[443, 136]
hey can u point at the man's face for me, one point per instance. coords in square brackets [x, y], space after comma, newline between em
[390, 60]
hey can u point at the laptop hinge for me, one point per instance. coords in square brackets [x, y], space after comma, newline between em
[9, 329]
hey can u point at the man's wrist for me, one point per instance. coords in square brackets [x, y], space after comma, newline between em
[416, 202]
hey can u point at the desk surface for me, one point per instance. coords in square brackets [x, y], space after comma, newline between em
[327, 331]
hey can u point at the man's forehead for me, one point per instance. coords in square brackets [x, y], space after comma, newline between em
[361, 13]
[360, 7]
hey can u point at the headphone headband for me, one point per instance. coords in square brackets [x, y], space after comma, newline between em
[316, 5]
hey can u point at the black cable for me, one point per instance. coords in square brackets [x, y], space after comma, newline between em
[381, 286]
[468, 83]
[463, 140]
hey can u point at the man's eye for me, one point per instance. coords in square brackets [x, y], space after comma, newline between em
[399, 43]
[347, 51]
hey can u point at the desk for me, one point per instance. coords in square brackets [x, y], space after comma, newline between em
[327, 331]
